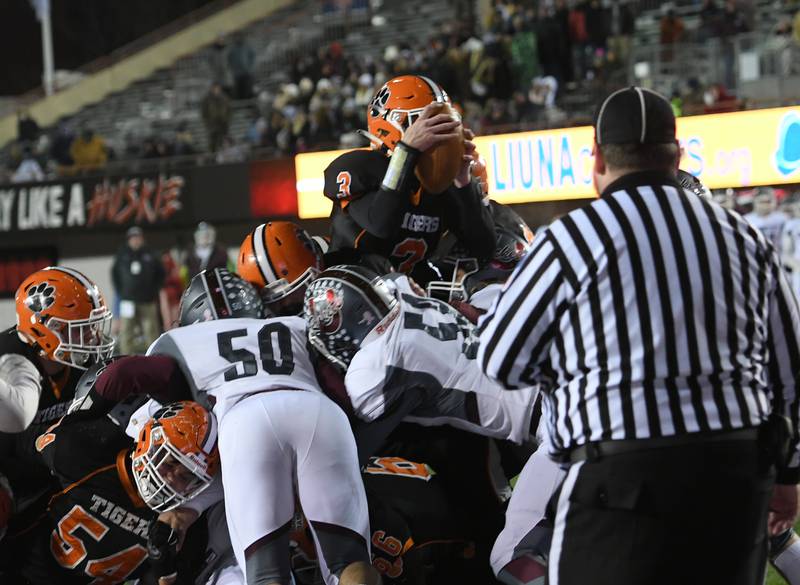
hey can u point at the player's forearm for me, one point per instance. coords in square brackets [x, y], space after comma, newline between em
[157, 376]
[471, 219]
[20, 387]
[381, 212]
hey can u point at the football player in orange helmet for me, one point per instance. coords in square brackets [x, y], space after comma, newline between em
[176, 455]
[63, 326]
[123, 498]
[280, 259]
[379, 205]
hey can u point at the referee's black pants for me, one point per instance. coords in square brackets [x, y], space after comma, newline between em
[693, 514]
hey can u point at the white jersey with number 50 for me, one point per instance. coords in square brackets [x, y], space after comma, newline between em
[228, 359]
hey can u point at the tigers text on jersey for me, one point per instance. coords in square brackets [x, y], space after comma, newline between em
[228, 359]
[430, 346]
[96, 528]
[404, 231]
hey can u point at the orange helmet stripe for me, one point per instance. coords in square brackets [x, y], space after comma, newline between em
[91, 289]
[207, 443]
[438, 94]
[262, 257]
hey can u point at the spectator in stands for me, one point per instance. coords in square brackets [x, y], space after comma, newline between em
[242, 61]
[579, 40]
[732, 23]
[364, 91]
[207, 253]
[216, 111]
[350, 116]
[694, 100]
[597, 26]
[218, 65]
[149, 148]
[88, 150]
[621, 27]
[230, 152]
[29, 169]
[60, 149]
[710, 17]
[137, 274]
[524, 53]
[27, 128]
[561, 19]
[497, 113]
[718, 100]
[671, 33]
[543, 91]
[184, 141]
[256, 133]
[734, 19]
[671, 28]
[522, 110]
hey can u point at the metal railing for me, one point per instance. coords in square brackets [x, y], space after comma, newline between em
[736, 63]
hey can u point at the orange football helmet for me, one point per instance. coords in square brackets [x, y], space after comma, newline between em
[176, 455]
[397, 105]
[61, 313]
[280, 258]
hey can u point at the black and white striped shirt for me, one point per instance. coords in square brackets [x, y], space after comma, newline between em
[651, 312]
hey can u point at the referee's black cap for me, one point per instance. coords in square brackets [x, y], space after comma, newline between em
[634, 115]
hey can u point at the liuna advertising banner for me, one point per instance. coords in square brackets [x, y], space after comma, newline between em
[739, 149]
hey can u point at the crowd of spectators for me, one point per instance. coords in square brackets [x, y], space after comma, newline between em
[511, 72]
[507, 77]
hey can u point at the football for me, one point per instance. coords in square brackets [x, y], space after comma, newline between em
[438, 166]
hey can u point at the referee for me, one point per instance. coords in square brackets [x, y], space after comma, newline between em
[665, 337]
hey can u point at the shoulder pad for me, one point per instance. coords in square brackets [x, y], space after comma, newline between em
[354, 174]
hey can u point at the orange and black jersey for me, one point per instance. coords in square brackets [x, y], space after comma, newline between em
[29, 479]
[417, 537]
[57, 391]
[95, 529]
[405, 225]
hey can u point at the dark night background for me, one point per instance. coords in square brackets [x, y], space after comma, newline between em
[83, 30]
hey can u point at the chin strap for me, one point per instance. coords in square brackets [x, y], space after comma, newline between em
[373, 139]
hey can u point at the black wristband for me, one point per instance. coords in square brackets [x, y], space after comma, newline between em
[401, 168]
[788, 476]
[162, 549]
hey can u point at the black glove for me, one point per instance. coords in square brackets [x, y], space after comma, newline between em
[162, 548]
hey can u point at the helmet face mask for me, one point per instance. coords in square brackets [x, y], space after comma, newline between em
[61, 313]
[397, 105]
[83, 341]
[345, 308]
[176, 455]
[286, 298]
[453, 289]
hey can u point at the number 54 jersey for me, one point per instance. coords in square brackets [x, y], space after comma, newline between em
[228, 359]
[422, 368]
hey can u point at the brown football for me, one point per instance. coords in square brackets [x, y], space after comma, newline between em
[438, 166]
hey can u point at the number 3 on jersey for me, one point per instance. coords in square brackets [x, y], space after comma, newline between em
[411, 250]
[343, 180]
[245, 363]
